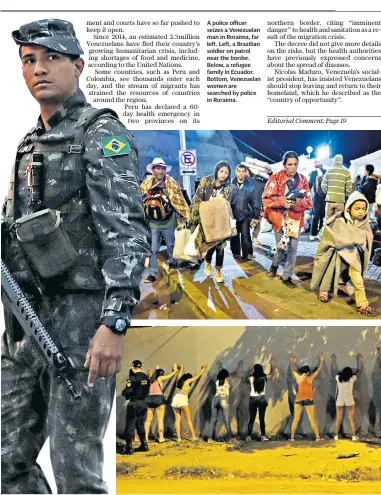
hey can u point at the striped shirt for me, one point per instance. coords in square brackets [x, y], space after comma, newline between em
[337, 184]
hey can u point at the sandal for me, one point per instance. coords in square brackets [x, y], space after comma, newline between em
[323, 297]
[366, 310]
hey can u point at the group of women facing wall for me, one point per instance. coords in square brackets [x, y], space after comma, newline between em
[257, 401]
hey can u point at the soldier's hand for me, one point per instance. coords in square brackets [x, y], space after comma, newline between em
[105, 354]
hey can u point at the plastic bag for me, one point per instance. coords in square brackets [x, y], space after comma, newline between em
[182, 237]
[191, 248]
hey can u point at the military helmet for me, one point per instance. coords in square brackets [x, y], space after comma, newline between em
[55, 34]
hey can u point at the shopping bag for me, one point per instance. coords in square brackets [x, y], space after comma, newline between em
[191, 248]
[215, 219]
[182, 237]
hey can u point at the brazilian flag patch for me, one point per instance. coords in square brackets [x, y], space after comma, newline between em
[115, 146]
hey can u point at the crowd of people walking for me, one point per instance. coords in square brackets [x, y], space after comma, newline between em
[146, 397]
[226, 208]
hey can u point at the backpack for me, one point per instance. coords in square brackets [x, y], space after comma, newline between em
[157, 205]
[318, 181]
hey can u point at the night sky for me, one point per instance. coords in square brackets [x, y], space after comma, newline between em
[273, 144]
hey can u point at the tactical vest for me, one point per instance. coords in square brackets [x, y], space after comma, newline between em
[64, 189]
[137, 387]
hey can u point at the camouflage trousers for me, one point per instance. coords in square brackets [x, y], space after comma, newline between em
[35, 405]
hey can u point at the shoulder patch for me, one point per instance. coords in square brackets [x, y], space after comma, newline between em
[115, 146]
[128, 384]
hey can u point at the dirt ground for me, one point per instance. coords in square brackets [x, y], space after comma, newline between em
[276, 467]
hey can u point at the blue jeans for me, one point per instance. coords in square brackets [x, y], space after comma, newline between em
[290, 255]
[169, 237]
[223, 404]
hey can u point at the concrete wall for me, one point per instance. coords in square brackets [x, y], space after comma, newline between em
[240, 346]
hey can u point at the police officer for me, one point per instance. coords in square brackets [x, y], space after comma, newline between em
[89, 176]
[136, 391]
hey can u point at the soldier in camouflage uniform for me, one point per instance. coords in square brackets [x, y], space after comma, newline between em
[90, 176]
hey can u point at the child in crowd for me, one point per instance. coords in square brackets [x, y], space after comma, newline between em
[344, 252]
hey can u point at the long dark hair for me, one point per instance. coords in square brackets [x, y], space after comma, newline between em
[219, 165]
[345, 375]
[183, 379]
[222, 375]
[289, 154]
[157, 373]
[304, 370]
[260, 378]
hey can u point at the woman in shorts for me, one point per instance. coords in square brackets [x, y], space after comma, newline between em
[156, 400]
[344, 394]
[258, 400]
[304, 398]
[180, 401]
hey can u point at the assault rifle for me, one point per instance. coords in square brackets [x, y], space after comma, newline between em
[14, 299]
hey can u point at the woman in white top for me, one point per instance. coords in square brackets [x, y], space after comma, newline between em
[180, 401]
[344, 394]
[258, 401]
[221, 401]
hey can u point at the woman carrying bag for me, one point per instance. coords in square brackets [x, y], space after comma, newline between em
[212, 188]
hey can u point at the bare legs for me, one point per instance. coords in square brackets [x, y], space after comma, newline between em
[297, 413]
[178, 423]
[160, 413]
[351, 417]
[188, 419]
[310, 410]
[147, 424]
[311, 416]
[339, 418]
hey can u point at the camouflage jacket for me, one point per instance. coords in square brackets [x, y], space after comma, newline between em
[97, 192]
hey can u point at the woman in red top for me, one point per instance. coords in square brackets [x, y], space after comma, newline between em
[305, 398]
[286, 215]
